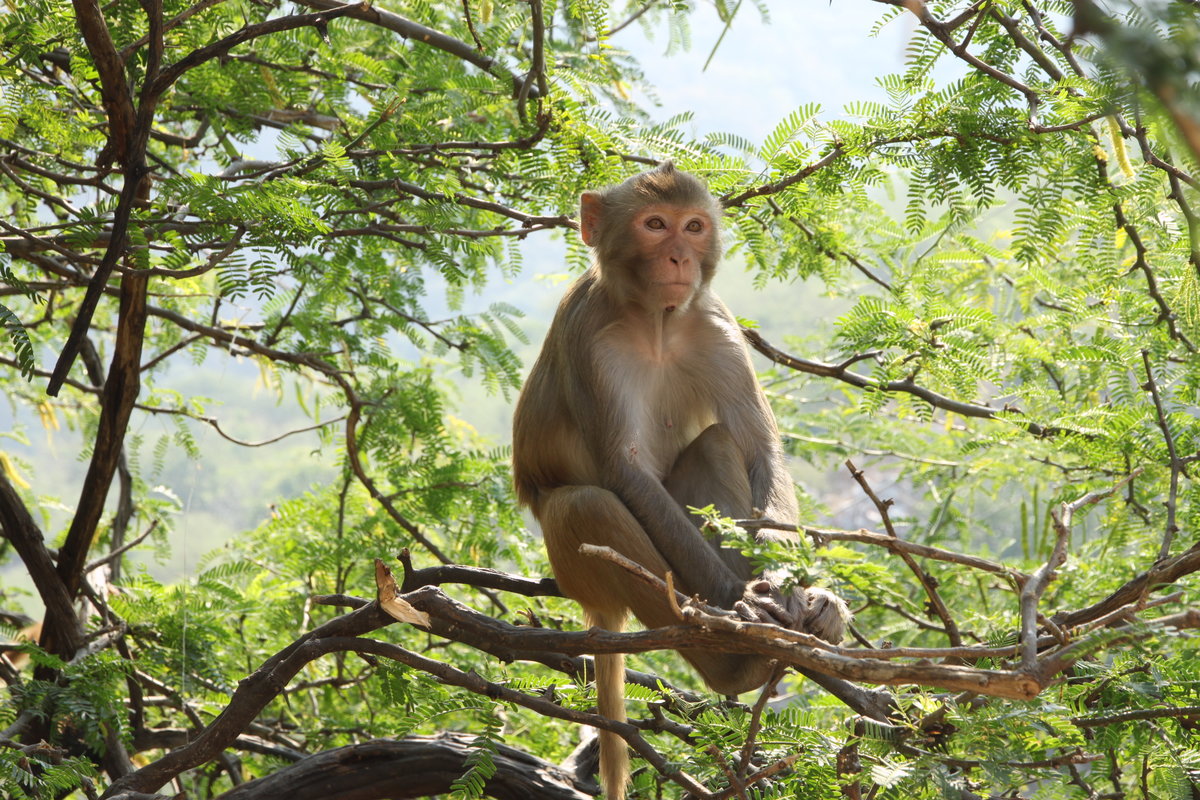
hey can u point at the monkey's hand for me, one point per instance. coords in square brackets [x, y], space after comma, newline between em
[808, 610]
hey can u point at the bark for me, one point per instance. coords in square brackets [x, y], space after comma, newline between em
[417, 766]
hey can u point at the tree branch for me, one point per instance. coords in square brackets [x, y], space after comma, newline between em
[1175, 465]
[926, 580]
[841, 372]
[19, 528]
[332, 10]
[427, 36]
[412, 767]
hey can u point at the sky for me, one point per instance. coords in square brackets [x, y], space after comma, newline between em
[808, 51]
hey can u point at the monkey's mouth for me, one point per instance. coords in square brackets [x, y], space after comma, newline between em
[673, 294]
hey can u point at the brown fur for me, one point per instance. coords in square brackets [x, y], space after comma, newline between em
[643, 402]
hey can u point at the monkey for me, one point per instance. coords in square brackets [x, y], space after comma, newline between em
[642, 403]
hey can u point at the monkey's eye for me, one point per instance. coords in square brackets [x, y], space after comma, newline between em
[655, 224]
[695, 226]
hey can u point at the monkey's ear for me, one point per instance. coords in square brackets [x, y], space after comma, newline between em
[591, 212]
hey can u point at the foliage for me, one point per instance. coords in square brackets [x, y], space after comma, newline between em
[321, 191]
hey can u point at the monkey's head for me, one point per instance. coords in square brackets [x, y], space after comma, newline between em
[656, 238]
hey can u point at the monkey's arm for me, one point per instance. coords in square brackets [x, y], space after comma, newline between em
[748, 415]
[696, 564]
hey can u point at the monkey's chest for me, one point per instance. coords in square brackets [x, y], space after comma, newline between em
[670, 409]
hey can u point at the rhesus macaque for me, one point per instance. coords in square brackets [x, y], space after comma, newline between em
[644, 402]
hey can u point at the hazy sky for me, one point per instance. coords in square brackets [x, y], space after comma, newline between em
[809, 51]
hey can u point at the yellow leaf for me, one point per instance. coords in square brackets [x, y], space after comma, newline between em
[49, 418]
[272, 87]
[10, 471]
[1118, 145]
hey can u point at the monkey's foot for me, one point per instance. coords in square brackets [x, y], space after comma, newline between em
[826, 616]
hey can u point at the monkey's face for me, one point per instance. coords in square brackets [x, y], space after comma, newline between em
[674, 246]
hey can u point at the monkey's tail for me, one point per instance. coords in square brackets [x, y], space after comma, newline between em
[610, 702]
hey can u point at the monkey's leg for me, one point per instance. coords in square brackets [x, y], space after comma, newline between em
[712, 471]
[575, 515]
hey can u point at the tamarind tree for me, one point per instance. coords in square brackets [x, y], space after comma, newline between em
[342, 197]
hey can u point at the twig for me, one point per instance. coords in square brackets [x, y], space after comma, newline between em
[734, 201]
[1142, 263]
[427, 36]
[120, 551]
[1175, 465]
[832, 255]
[868, 451]
[129, 49]
[764, 773]
[632, 18]
[735, 784]
[756, 713]
[1133, 716]
[926, 580]
[360, 472]
[471, 26]
[667, 587]
[1038, 582]
[821, 535]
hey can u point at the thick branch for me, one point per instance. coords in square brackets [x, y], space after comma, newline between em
[416, 766]
[555, 648]
[941, 32]
[117, 401]
[114, 90]
[222, 46]
[726, 635]
[1162, 574]
[18, 527]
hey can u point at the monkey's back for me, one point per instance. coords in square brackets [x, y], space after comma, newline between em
[549, 449]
